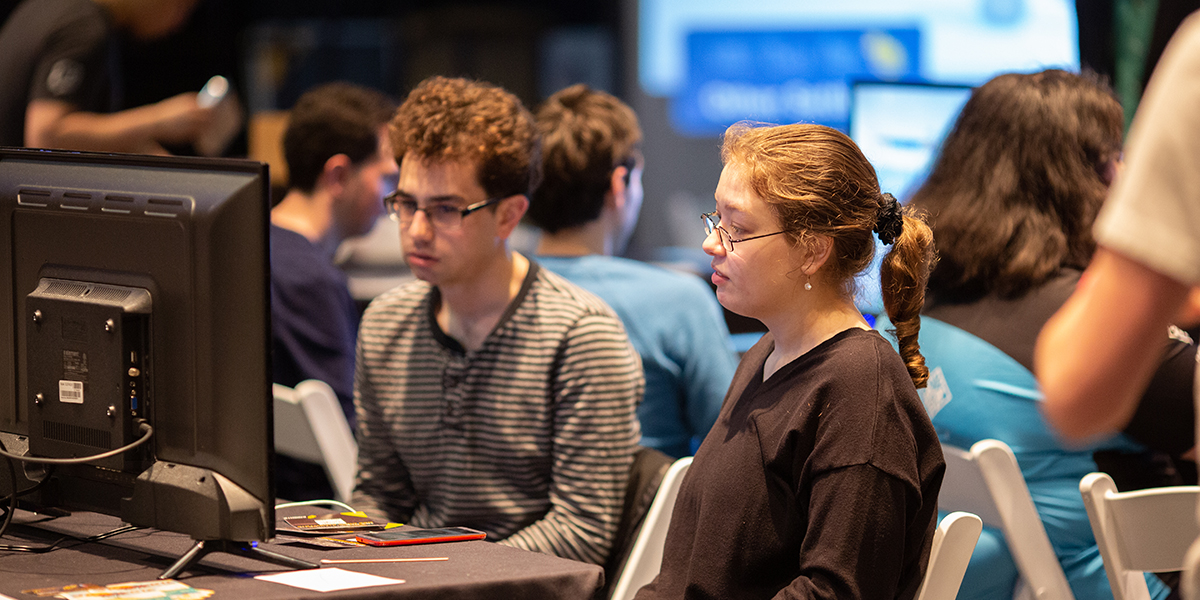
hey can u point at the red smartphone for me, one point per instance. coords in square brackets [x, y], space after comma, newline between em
[400, 537]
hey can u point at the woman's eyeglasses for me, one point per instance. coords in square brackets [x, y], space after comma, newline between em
[712, 222]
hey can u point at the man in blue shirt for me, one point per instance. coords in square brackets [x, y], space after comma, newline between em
[587, 207]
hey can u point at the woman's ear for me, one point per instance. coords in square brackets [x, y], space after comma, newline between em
[817, 249]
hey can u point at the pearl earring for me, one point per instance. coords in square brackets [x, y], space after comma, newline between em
[807, 285]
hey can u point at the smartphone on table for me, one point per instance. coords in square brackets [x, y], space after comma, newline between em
[401, 537]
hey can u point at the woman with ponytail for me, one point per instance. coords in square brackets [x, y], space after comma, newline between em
[1011, 199]
[820, 477]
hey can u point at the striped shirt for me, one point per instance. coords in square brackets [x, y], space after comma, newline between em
[529, 438]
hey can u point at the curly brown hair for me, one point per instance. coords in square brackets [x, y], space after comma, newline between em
[454, 119]
[817, 182]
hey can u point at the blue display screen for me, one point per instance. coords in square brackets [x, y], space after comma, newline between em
[786, 76]
[781, 61]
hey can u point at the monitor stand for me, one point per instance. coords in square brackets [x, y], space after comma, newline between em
[247, 549]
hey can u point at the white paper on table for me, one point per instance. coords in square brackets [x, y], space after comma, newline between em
[329, 579]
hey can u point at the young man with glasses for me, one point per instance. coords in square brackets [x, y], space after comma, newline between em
[491, 393]
[586, 207]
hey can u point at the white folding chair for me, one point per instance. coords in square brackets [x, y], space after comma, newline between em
[953, 542]
[1140, 531]
[987, 481]
[310, 426]
[645, 558]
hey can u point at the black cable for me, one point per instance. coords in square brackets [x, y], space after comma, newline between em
[12, 479]
[54, 545]
[11, 499]
[143, 426]
[36, 486]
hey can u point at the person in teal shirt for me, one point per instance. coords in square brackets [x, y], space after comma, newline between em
[586, 207]
[1011, 199]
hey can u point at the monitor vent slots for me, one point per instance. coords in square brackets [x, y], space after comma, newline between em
[76, 201]
[104, 293]
[33, 197]
[74, 434]
[95, 292]
[111, 203]
[67, 289]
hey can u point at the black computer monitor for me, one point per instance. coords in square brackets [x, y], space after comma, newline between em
[134, 300]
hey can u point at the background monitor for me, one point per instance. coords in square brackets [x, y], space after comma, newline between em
[135, 288]
[693, 67]
[900, 128]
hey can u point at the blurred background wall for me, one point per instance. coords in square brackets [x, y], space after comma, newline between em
[688, 67]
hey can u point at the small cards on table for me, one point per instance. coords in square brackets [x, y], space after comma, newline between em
[330, 523]
[163, 588]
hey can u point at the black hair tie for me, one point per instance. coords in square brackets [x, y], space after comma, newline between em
[889, 222]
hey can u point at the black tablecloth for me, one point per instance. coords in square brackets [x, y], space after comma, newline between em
[475, 569]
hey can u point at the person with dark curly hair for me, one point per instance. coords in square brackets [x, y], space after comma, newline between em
[1011, 199]
[820, 477]
[490, 393]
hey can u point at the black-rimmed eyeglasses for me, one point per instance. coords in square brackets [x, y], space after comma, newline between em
[712, 222]
[442, 215]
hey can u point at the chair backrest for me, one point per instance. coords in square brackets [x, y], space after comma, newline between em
[1139, 531]
[310, 426]
[987, 481]
[645, 556]
[953, 542]
[645, 476]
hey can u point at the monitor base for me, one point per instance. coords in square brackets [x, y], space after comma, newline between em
[203, 547]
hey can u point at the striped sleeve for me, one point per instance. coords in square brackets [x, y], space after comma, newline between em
[595, 394]
[383, 488]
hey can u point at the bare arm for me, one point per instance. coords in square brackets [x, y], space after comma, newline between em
[144, 129]
[1095, 356]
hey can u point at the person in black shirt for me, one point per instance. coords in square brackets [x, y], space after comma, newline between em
[61, 87]
[820, 477]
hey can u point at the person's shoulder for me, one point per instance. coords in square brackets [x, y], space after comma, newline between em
[288, 247]
[1189, 31]
[867, 390]
[858, 361]
[555, 292]
[855, 347]
[651, 282]
[401, 299]
[662, 277]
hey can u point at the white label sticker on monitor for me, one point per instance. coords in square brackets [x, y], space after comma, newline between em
[70, 391]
